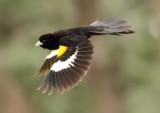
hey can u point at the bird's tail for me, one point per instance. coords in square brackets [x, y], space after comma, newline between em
[112, 26]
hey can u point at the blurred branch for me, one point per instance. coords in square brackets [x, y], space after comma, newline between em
[86, 11]
[156, 8]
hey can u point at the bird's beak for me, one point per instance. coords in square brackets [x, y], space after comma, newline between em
[39, 43]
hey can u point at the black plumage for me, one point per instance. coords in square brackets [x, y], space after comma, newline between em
[71, 52]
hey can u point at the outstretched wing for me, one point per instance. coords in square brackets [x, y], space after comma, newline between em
[69, 67]
[48, 62]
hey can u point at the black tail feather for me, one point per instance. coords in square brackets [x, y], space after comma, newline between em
[112, 26]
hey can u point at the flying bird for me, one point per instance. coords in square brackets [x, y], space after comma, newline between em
[70, 52]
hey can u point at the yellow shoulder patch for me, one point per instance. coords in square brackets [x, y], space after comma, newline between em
[61, 50]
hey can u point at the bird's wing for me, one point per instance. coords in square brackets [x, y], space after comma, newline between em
[48, 62]
[69, 66]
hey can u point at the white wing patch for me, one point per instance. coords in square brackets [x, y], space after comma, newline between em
[60, 65]
[52, 54]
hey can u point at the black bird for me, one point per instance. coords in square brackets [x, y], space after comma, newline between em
[71, 52]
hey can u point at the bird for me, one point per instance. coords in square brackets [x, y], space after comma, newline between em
[70, 52]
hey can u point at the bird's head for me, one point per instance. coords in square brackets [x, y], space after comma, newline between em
[46, 41]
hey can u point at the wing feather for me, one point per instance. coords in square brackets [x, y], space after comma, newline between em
[49, 61]
[69, 69]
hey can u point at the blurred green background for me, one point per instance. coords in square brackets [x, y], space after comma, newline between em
[125, 72]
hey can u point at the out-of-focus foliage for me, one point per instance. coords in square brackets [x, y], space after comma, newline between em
[133, 60]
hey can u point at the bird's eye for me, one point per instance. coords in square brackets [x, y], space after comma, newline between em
[44, 41]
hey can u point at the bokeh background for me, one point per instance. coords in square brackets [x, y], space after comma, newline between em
[125, 72]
